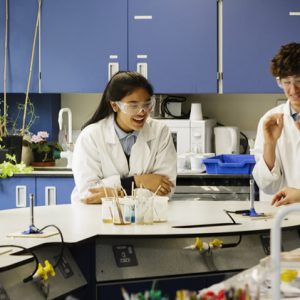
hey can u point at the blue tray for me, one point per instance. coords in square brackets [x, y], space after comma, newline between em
[230, 164]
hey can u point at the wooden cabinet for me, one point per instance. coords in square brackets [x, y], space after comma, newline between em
[253, 31]
[21, 21]
[174, 43]
[82, 42]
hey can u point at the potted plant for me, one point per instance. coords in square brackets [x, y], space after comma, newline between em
[12, 141]
[43, 150]
[9, 167]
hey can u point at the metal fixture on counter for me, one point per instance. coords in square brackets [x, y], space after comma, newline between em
[68, 154]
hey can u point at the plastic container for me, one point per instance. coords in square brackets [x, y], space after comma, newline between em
[144, 210]
[230, 164]
[107, 209]
[160, 207]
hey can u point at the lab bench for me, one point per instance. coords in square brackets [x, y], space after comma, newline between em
[214, 186]
[54, 185]
[101, 257]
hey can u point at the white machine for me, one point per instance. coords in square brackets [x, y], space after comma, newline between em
[227, 140]
[195, 136]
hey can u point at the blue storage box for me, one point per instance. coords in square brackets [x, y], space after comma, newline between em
[230, 164]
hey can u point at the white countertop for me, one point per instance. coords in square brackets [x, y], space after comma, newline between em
[80, 222]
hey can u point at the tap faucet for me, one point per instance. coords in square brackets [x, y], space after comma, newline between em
[60, 121]
[67, 154]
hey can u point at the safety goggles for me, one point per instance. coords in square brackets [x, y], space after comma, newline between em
[134, 108]
[287, 82]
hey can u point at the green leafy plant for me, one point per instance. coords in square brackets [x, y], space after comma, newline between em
[9, 167]
[43, 149]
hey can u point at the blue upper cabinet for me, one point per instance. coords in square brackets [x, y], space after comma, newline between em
[253, 32]
[21, 23]
[82, 41]
[174, 42]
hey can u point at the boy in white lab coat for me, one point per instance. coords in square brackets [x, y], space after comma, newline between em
[121, 144]
[277, 145]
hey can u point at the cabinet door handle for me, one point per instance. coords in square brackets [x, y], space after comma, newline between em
[142, 68]
[113, 68]
[143, 17]
[50, 195]
[21, 191]
[294, 13]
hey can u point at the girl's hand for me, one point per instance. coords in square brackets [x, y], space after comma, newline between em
[152, 183]
[286, 196]
[98, 193]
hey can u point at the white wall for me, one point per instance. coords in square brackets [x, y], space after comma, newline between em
[82, 106]
[242, 110]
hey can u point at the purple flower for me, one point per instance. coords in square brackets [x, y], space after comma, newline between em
[43, 134]
[40, 137]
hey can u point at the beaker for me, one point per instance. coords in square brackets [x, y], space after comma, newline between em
[107, 209]
[121, 211]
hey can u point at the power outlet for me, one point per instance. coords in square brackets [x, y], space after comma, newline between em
[65, 267]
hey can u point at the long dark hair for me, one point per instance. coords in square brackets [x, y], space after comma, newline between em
[120, 85]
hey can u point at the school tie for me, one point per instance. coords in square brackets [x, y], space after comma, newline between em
[296, 116]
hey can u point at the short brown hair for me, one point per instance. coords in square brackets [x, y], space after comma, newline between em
[287, 61]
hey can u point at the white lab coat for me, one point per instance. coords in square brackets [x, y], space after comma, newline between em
[99, 159]
[286, 171]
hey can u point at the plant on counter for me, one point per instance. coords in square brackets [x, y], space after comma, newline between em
[42, 149]
[9, 167]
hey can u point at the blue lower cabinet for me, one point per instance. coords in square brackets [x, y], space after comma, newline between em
[54, 190]
[14, 192]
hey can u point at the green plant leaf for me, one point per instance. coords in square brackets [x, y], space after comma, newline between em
[9, 168]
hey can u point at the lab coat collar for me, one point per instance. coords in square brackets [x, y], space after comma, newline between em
[146, 134]
[110, 135]
[121, 133]
[287, 108]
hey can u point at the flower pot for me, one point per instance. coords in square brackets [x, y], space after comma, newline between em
[3, 153]
[43, 163]
[13, 145]
[42, 159]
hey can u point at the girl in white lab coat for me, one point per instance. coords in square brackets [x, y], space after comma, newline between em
[121, 144]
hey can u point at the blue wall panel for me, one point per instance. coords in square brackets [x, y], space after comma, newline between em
[46, 108]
